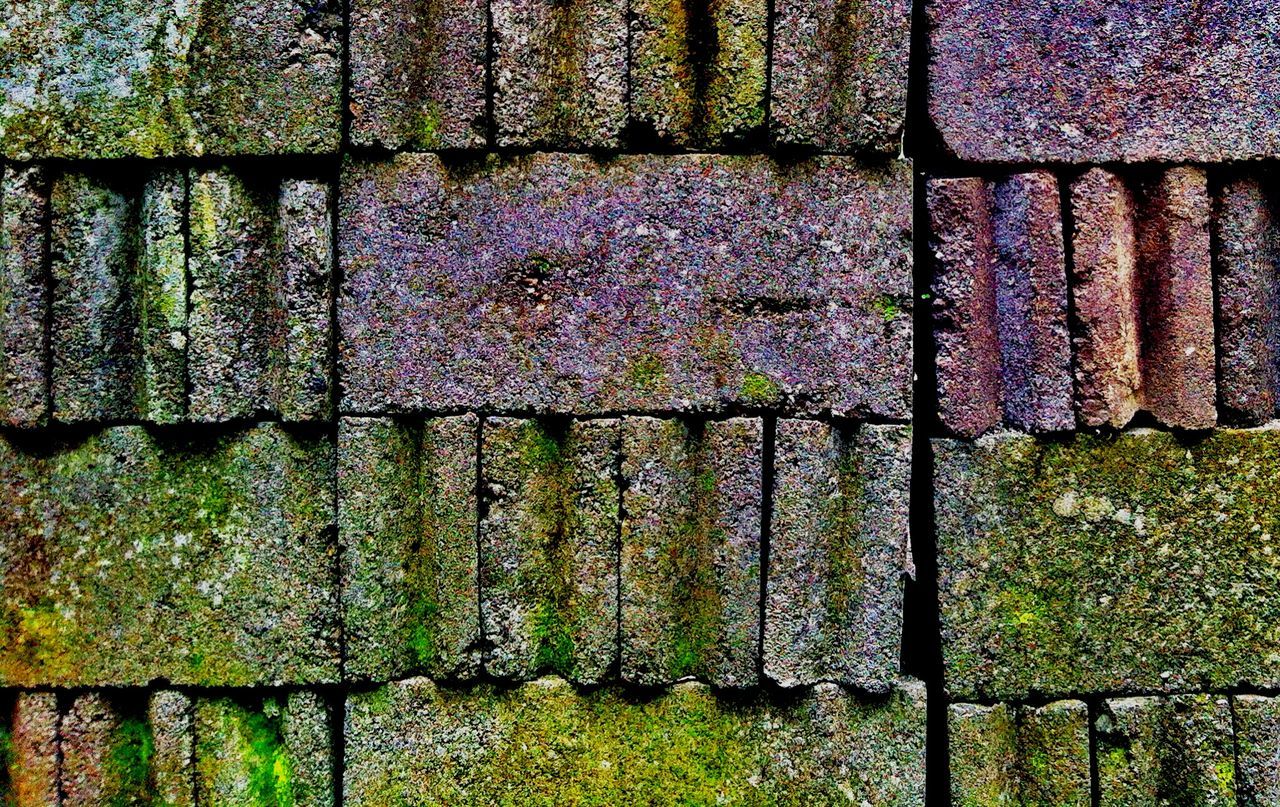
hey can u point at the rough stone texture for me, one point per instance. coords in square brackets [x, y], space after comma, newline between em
[407, 516]
[559, 73]
[118, 264]
[839, 74]
[1106, 309]
[1128, 564]
[698, 70]
[270, 751]
[1095, 81]
[1179, 384]
[1248, 266]
[1031, 303]
[1143, 299]
[106, 746]
[1256, 721]
[690, 562]
[260, 297]
[122, 78]
[1157, 751]
[1000, 304]
[33, 751]
[1006, 754]
[965, 322]
[24, 295]
[418, 73]
[549, 535]
[653, 283]
[306, 225]
[839, 549]
[545, 743]
[171, 717]
[162, 300]
[127, 557]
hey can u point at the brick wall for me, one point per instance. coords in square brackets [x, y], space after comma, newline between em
[411, 402]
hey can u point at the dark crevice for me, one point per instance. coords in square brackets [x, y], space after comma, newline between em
[768, 477]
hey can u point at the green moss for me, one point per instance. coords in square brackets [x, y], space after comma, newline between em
[553, 638]
[428, 126]
[6, 763]
[262, 747]
[645, 371]
[758, 388]
[128, 763]
[887, 307]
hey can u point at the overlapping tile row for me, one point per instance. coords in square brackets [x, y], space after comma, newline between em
[687, 283]
[1165, 307]
[1097, 82]
[93, 79]
[1193, 748]
[622, 548]
[165, 295]
[165, 746]
[600, 550]
[698, 74]
[544, 740]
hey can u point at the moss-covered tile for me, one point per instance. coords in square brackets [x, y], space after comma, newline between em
[547, 743]
[31, 759]
[1256, 720]
[132, 78]
[1160, 752]
[260, 268]
[1108, 564]
[1019, 755]
[407, 516]
[549, 547]
[130, 556]
[690, 573]
[24, 295]
[698, 70]
[272, 751]
[418, 72]
[838, 553]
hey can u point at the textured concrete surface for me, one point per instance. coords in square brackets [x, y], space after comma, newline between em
[1094, 81]
[549, 547]
[656, 283]
[699, 71]
[118, 264]
[407, 520]
[1130, 564]
[689, 576]
[32, 769]
[839, 550]
[546, 742]
[418, 73]
[260, 299]
[131, 78]
[839, 74]
[129, 557]
[559, 73]
[1006, 754]
[1166, 751]
[1143, 299]
[1248, 298]
[24, 355]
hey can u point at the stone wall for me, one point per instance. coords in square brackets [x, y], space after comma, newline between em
[413, 402]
